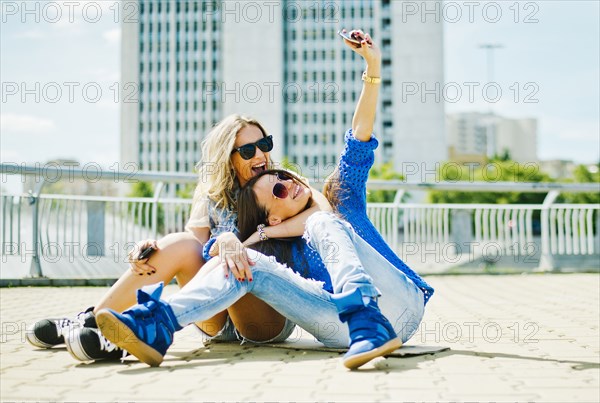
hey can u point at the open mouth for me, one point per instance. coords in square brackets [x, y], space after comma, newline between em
[296, 191]
[258, 168]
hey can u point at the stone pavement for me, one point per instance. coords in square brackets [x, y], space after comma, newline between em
[512, 338]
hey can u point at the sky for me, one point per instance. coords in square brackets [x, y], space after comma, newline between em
[67, 56]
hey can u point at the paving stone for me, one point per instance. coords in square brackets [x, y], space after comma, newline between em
[562, 365]
[569, 394]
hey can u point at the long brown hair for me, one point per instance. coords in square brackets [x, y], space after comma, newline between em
[251, 213]
[332, 189]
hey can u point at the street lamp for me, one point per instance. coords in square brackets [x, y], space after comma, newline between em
[490, 122]
[490, 47]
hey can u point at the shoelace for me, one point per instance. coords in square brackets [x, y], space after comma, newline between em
[106, 344]
[109, 346]
[65, 326]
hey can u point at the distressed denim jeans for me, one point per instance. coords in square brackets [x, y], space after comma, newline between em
[351, 262]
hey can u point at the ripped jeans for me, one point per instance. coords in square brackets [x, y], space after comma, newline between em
[354, 264]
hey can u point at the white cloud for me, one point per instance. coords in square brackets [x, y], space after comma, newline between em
[575, 139]
[64, 26]
[17, 123]
[105, 75]
[30, 34]
[578, 130]
[112, 36]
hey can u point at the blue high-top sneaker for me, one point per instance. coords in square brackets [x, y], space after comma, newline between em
[371, 334]
[145, 330]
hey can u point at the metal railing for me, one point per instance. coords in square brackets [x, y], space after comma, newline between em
[46, 227]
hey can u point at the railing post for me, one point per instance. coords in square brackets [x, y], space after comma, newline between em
[157, 191]
[597, 235]
[546, 259]
[462, 232]
[395, 224]
[95, 228]
[35, 270]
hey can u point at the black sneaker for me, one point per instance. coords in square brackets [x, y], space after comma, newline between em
[47, 333]
[88, 344]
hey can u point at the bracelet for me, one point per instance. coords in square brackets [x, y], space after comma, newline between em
[370, 80]
[206, 249]
[261, 232]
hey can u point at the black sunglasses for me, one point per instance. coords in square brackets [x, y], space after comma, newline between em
[279, 189]
[248, 151]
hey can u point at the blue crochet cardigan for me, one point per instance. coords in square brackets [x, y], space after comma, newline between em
[355, 162]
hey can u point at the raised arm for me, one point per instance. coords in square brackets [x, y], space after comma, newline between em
[364, 114]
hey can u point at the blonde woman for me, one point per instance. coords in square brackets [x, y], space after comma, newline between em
[234, 151]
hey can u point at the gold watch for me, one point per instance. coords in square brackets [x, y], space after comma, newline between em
[370, 80]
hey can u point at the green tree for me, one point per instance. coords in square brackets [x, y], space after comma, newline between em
[496, 170]
[186, 191]
[583, 174]
[146, 189]
[386, 172]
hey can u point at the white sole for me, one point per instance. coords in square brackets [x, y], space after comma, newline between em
[34, 341]
[359, 360]
[75, 348]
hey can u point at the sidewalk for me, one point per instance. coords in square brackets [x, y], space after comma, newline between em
[511, 338]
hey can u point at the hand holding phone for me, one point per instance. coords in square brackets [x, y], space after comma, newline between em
[354, 37]
[146, 253]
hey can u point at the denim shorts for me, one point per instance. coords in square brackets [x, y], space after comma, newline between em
[229, 333]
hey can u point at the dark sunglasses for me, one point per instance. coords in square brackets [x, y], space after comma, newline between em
[248, 151]
[279, 189]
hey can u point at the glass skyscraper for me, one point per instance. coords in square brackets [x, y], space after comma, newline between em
[192, 63]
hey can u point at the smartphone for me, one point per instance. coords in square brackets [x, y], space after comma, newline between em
[146, 253]
[346, 36]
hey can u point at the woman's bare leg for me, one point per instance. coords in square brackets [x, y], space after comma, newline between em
[180, 257]
[255, 319]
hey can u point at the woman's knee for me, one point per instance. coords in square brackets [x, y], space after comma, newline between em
[182, 244]
[176, 239]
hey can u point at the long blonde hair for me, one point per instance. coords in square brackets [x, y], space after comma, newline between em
[216, 175]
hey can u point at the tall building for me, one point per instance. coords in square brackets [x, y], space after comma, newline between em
[169, 56]
[475, 136]
[283, 63]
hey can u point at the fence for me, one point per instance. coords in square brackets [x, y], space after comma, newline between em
[45, 228]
